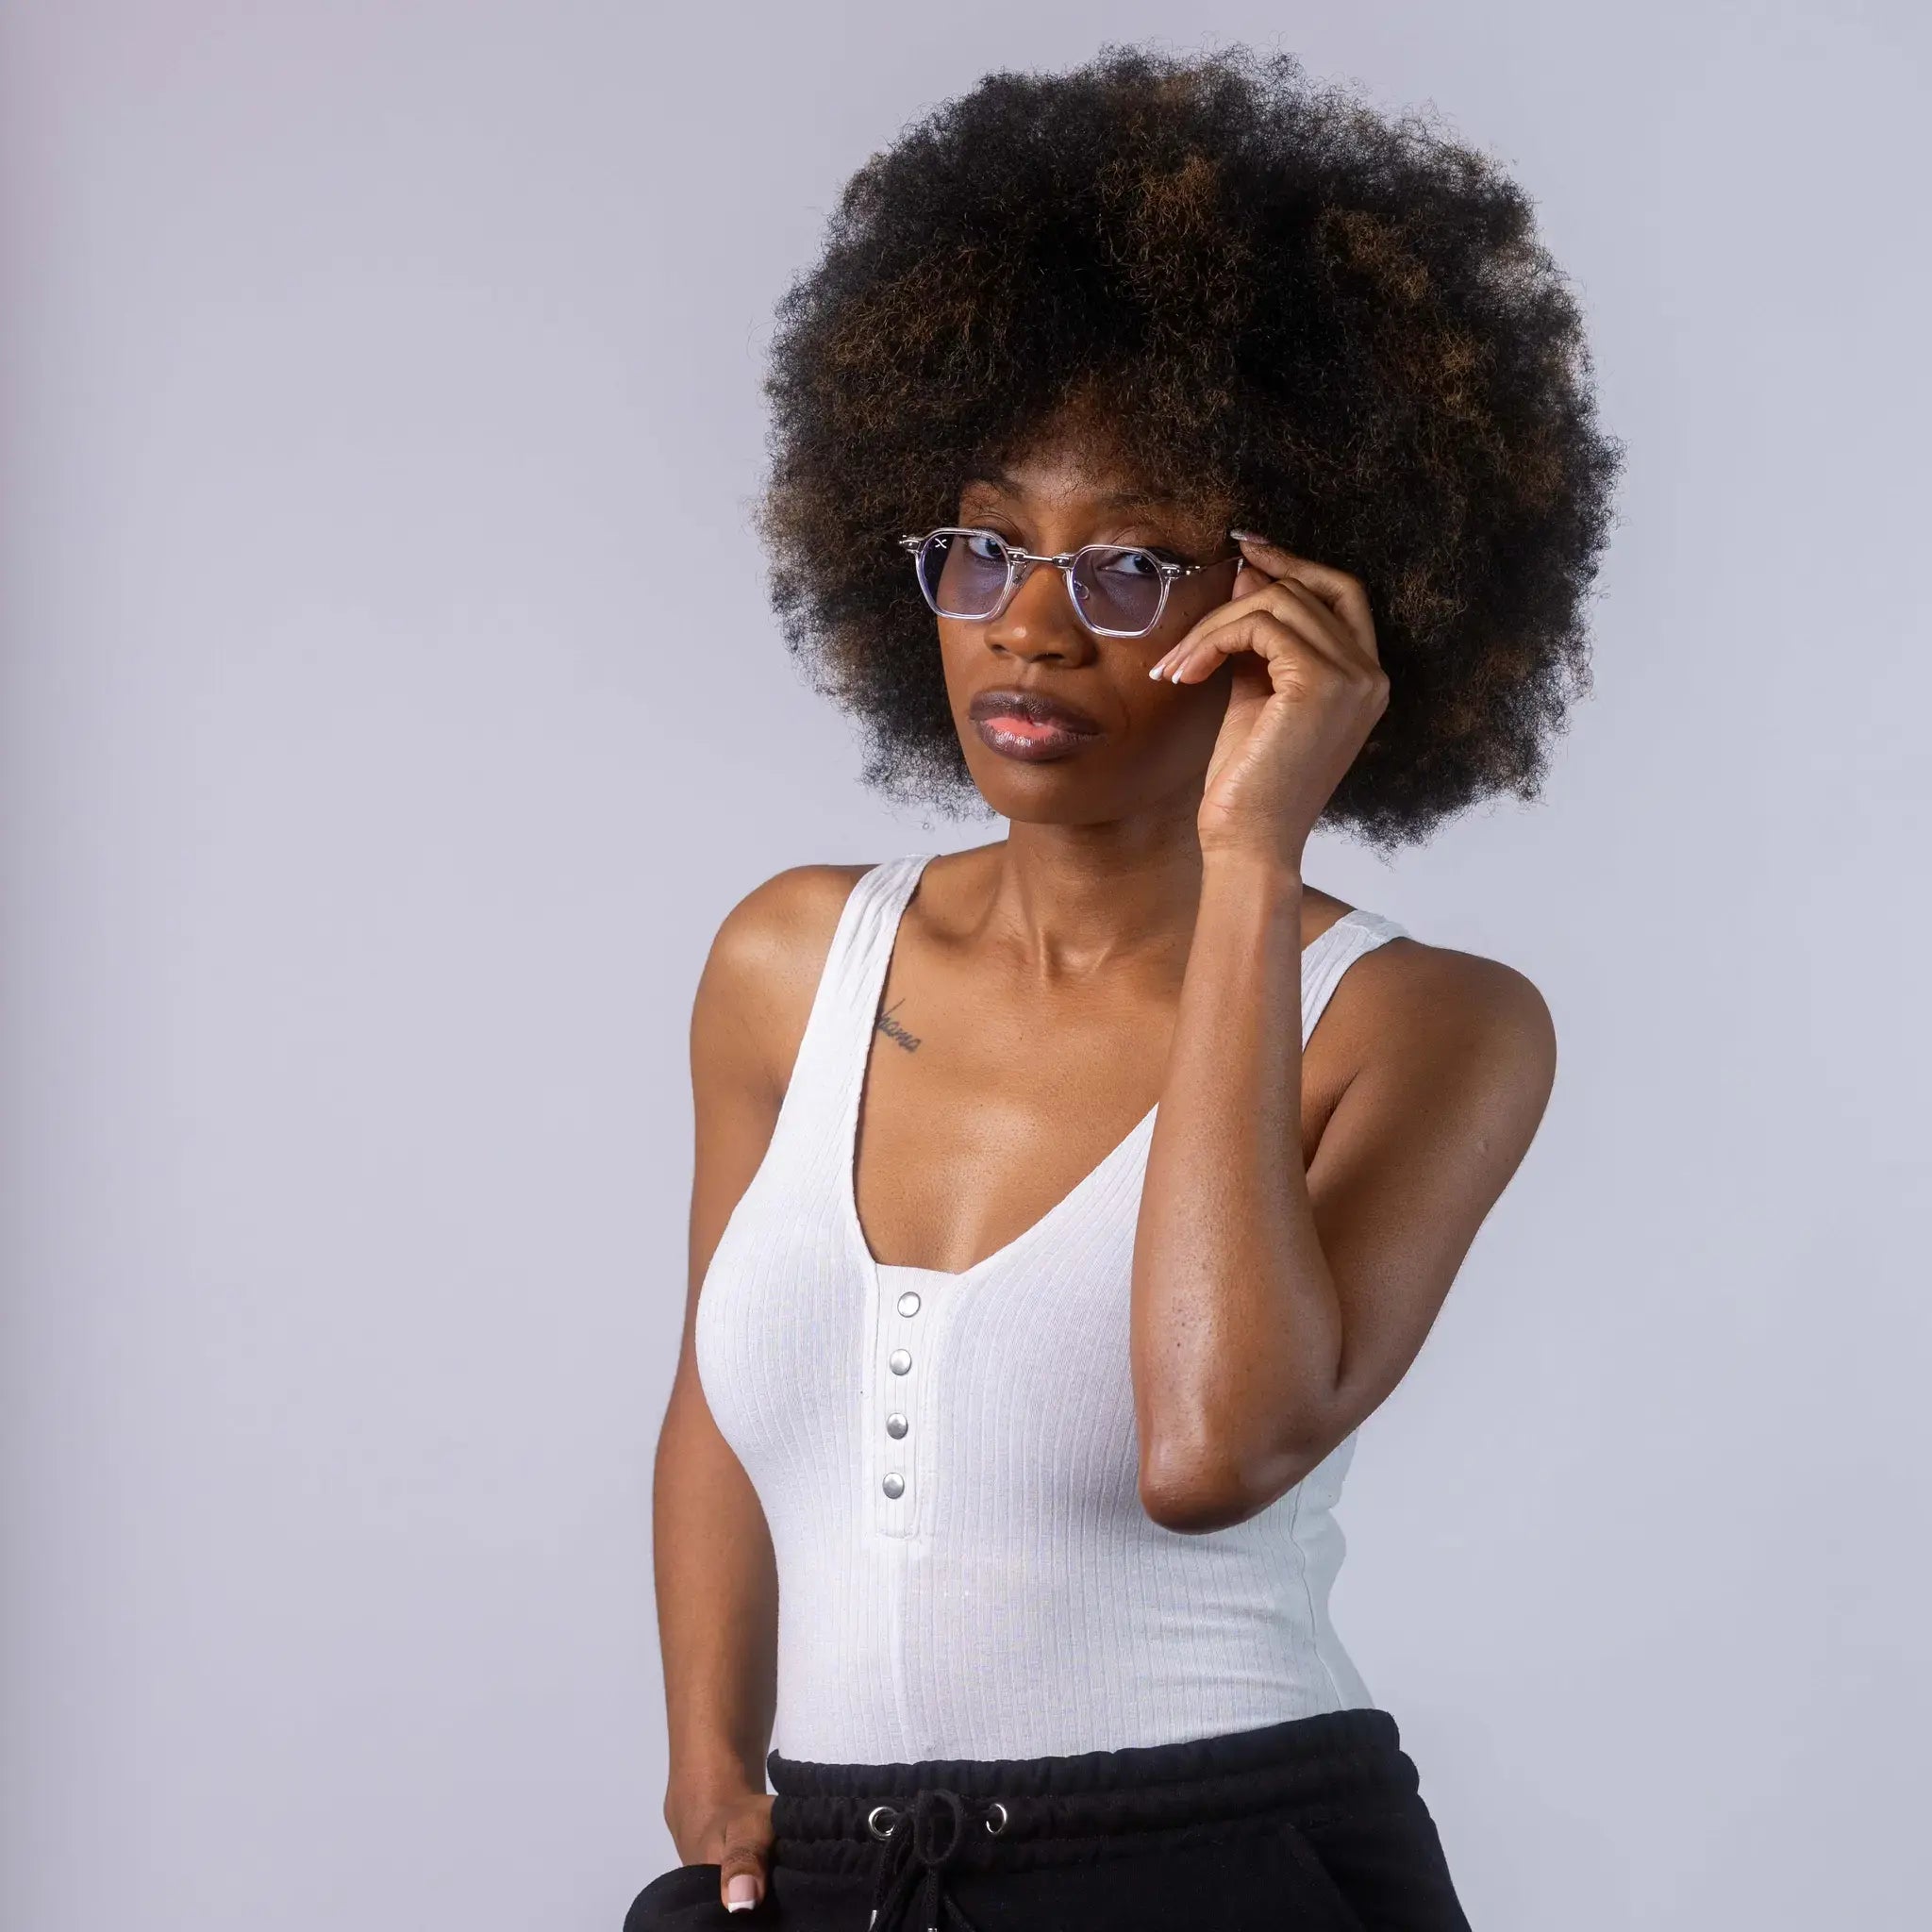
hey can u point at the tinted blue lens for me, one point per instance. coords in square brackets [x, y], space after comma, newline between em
[1117, 589]
[963, 572]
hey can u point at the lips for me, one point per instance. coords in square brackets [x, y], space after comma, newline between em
[1031, 707]
[1030, 727]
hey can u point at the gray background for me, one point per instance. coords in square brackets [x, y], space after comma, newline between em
[392, 710]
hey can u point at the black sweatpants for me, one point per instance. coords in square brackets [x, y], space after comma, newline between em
[1316, 1824]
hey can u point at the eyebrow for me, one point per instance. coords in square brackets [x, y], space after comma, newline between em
[1118, 499]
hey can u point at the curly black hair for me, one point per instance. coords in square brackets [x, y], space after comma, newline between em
[1337, 328]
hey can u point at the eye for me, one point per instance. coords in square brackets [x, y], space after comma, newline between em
[1130, 563]
[985, 547]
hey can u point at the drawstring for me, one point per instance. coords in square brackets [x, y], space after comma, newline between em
[910, 1850]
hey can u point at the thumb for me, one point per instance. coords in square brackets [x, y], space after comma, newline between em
[741, 1877]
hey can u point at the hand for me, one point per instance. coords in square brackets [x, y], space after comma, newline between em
[731, 1829]
[1307, 689]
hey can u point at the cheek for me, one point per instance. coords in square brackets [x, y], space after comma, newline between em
[957, 645]
[1164, 709]
[1167, 732]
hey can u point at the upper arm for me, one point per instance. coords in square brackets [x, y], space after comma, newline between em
[747, 1019]
[1458, 1067]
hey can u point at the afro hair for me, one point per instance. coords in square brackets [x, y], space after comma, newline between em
[1337, 328]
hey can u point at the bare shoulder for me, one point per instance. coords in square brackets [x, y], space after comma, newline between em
[1450, 1019]
[763, 967]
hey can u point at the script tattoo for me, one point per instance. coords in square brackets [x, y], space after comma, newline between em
[893, 1030]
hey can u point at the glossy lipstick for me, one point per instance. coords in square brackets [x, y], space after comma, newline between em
[1029, 725]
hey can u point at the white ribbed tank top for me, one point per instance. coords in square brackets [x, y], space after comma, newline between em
[947, 1462]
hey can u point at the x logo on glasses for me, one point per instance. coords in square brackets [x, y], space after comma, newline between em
[1117, 590]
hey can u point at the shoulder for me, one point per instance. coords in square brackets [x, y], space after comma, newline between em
[765, 960]
[1444, 1018]
[782, 930]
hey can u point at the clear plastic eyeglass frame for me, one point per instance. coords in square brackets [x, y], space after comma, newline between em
[1019, 562]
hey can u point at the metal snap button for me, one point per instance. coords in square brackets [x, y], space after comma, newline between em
[894, 1484]
[896, 1424]
[899, 1361]
[909, 1302]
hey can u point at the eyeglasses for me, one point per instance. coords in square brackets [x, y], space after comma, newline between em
[1117, 590]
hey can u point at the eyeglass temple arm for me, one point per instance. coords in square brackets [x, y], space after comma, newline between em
[1066, 557]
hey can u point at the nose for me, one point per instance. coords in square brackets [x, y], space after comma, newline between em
[1039, 620]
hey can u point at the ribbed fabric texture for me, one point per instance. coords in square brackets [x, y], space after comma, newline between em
[1014, 1599]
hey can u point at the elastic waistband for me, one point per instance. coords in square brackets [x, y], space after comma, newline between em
[1337, 1761]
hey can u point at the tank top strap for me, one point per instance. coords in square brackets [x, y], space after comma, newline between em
[1354, 933]
[837, 1042]
[838, 1031]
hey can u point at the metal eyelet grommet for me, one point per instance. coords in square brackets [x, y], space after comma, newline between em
[991, 1827]
[872, 1820]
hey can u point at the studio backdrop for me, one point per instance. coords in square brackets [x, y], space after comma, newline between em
[393, 708]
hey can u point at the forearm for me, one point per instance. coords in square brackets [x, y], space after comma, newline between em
[1237, 1329]
[717, 1611]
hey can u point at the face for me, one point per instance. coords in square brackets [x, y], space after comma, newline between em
[1145, 745]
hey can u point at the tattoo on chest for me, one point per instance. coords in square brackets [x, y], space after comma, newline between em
[893, 1030]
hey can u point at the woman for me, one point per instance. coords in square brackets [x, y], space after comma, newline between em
[1173, 456]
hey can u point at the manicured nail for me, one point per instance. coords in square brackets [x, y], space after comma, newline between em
[1248, 537]
[741, 1894]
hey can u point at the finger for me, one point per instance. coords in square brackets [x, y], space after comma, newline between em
[1280, 595]
[1343, 594]
[1263, 634]
[1340, 592]
[1247, 580]
[1296, 610]
[1288, 631]
[741, 1875]
[1356, 641]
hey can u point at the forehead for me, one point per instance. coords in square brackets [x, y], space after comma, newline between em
[1069, 474]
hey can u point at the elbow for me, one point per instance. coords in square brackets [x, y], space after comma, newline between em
[1192, 1500]
[1199, 1488]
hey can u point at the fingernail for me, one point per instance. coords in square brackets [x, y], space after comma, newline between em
[741, 1894]
[1248, 537]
